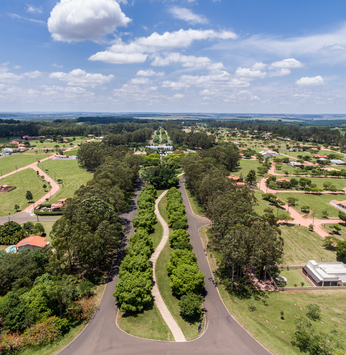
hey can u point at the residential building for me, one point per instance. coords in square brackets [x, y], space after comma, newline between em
[337, 161]
[32, 243]
[326, 274]
[295, 164]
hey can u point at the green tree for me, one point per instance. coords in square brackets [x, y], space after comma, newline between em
[292, 201]
[16, 207]
[133, 292]
[191, 306]
[341, 250]
[251, 177]
[342, 216]
[187, 279]
[29, 196]
[337, 228]
[314, 311]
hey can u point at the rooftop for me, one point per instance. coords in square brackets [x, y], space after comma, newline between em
[34, 241]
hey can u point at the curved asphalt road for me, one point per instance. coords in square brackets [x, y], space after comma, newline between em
[223, 335]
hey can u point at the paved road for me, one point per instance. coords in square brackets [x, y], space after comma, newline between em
[223, 335]
[23, 217]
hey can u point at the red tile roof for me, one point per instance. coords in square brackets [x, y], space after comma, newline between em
[283, 179]
[235, 178]
[34, 241]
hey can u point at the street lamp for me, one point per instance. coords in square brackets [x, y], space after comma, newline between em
[9, 216]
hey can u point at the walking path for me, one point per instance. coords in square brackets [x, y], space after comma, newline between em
[298, 219]
[166, 314]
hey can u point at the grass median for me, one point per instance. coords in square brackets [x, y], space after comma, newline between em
[148, 323]
[189, 329]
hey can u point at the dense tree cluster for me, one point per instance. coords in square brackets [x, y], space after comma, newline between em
[192, 139]
[323, 135]
[133, 291]
[12, 232]
[187, 280]
[90, 229]
[244, 239]
[176, 210]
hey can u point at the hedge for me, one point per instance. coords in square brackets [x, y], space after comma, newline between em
[133, 291]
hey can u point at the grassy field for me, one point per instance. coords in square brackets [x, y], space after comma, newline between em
[294, 278]
[58, 345]
[196, 208]
[69, 172]
[146, 324]
[163, 280]
[24, 180]
[245, 166]
[47, 228]
[265, 322]
[341, 235]
[13, 162]
[302, 246]
[317, 203]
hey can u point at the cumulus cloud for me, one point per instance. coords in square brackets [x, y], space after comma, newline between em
[178, 96]
[289, 63]
[33, 74]
[136, 51]
[250, 73]
[149, 72]
[79, 20]
[308, 81]
[79, 77]
[140, 81]
[182, 13]
[189, 61]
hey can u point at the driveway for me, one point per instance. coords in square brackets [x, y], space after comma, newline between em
[222, 336]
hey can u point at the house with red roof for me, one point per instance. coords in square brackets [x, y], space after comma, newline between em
[233, 177]
[32, 243]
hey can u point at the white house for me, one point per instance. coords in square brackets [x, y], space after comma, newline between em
[325, 274]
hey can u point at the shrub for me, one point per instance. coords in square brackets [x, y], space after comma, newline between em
[187, 279]
[190, 306]
[180, 257]
[179, 235]
[314, 311]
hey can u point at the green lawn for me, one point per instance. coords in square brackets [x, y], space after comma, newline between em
[317, 203]
[69, 172]
[146, 324]
[294, 278]
[196, 208]
[245, 166]
[302, 246]
[13, 162]
[163, 280]
[47, 228]
[265, 322]
[330, 229]
[24, 180]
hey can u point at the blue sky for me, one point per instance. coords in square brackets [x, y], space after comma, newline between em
[173, 56]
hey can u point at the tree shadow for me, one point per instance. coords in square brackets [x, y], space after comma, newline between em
[146, 308]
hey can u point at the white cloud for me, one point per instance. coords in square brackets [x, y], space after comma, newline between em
[33, 9]
[306, 81]
[149, 72]
[187, 61]
[79, 20]
[119, 58]
[134, 52]
[79, 77]
[22, 18]
[140, 81]
[57, 65]
[187, 15]
[178, 96]
[33, 74]
[249, 73]
[289, 63]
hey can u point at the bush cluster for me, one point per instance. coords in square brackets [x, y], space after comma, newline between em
[186, 278]
[176, 210]
[133, 291]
